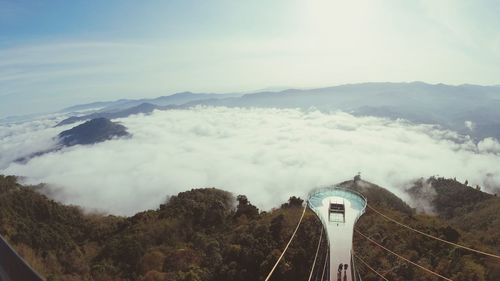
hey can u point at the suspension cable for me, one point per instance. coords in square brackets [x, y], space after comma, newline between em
[324, 265]
[433, 237]
[367, 265]
[316, 256]
[401, 257]
[288, 244]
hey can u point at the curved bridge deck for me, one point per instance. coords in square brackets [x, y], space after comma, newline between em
[339, 226]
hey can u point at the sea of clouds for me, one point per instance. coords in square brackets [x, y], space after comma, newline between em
[266, 154]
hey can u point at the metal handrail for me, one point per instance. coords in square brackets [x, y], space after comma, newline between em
[334, 187]
[13, 267]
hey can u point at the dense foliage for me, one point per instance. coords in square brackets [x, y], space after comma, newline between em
[202, 234]
[208, 234]
[461, 214]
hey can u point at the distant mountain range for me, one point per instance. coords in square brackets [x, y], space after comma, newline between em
[467, 109]
[144, 108]
[175, 99]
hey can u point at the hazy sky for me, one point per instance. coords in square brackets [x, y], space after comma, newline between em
[58, 53]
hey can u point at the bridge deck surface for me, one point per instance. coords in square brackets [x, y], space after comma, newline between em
[339, 234]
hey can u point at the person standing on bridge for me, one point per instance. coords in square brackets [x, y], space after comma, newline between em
[345, 271]
[339, 272]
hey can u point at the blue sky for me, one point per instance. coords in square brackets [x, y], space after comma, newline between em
[59, 53]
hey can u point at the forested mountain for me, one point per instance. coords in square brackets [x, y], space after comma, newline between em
[91, 132]
[208, 234]
[200, 234]
[465, 216]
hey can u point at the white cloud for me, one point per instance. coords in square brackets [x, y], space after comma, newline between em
[267, 154]
[470, 125]
[25, 138]
[489, 145]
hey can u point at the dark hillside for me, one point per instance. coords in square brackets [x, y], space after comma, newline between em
[378, 195]
[202, 234]
[208, 234]
[451, 197]
[93, 131]
[452, 226]
[56, 240]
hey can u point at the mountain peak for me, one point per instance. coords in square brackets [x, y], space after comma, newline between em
[92, 131]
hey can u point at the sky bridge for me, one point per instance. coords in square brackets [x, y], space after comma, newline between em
[338, 209]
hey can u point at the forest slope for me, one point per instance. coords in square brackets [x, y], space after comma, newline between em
[208, 234]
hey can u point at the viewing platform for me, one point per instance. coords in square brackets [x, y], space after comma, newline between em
[338, 209]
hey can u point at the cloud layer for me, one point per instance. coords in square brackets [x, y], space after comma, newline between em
[267, 154]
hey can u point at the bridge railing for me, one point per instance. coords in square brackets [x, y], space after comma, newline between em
[344, 192]
[12, 265]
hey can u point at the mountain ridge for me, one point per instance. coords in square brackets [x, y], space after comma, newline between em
[466, 109]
